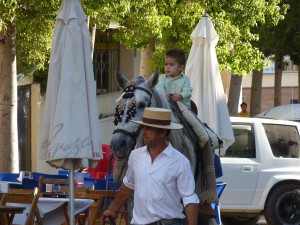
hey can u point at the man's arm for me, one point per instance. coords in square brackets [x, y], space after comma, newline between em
[191, 211]
[122, 197]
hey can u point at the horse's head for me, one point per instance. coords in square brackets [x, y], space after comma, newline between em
[135, 98]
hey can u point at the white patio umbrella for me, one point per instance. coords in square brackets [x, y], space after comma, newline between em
[70, 132]
[203, 70]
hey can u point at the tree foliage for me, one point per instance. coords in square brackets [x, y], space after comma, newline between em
[280, 40]
[169, 23]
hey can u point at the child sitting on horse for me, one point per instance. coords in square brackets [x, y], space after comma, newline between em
[174, 84]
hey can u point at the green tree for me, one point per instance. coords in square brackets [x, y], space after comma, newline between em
[164, 23]
[280, 40]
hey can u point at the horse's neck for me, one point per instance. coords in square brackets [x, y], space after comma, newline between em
[159, 100]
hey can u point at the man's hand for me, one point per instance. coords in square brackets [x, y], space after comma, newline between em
[107, 215]
[122, 197]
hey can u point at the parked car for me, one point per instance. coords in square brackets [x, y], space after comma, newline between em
[283, 112]
[262, 172]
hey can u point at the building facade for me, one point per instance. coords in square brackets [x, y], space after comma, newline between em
[289, 90]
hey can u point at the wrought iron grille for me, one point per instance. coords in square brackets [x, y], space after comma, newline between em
[106, 62]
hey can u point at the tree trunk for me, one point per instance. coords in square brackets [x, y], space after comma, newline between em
[146, 56]
[256, 86]
[278, 77]
[298, 83]
[9, 155]
[234, 94]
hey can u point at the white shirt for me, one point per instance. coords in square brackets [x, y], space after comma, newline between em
[159, 186]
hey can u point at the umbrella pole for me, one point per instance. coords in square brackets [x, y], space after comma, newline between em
[71, 194]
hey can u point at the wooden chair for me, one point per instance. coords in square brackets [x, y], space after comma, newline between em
[107, 196]
[24, 198]
[43, 182]
[89, 217]
[66, 189]
[23, 191]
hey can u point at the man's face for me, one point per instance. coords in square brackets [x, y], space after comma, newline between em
[152, 135]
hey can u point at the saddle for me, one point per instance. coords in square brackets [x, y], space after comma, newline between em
[215, 141]
[204, 209]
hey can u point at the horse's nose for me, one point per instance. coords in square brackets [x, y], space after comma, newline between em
[123, 144]
[119, 143]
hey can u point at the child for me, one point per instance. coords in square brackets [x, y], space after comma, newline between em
[175, 85]
[244, 112]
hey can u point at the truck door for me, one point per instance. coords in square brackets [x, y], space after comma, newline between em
[240, 167]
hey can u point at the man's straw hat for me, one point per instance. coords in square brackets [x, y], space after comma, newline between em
[159, 118]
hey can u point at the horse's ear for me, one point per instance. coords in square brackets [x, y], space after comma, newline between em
[121, 79]
[152, 81]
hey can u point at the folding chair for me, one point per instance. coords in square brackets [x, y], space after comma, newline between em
[27, 199]
[77, 190]
[23, 191]
[107, 197]
[37, 175]
[53, 181]
[43, 182]
[91, 213]
[216, 206]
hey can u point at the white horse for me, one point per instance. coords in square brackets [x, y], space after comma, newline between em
[139, 94]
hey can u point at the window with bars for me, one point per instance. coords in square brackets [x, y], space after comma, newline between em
[106, 62]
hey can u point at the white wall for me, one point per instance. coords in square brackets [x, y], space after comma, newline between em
[289, 79]
[129, 65]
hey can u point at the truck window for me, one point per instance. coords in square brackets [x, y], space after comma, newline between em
[244, 145]
[283, 139]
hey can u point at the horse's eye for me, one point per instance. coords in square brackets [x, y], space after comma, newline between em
[141, 105]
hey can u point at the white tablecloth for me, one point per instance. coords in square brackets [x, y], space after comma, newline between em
[4, 185]
[51, 210]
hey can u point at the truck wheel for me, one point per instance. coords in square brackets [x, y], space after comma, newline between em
[283, 206]
[240, 220]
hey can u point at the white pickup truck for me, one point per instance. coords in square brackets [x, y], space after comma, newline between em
[262, 173]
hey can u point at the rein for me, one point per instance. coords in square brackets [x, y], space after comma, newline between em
[133, 135]
[145, 90]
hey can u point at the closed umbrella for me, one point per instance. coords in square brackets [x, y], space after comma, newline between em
[203, 70]
[70, 132]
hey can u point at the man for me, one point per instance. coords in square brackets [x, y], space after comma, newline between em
[159, 176]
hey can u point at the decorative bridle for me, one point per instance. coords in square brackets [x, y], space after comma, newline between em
[128, 94]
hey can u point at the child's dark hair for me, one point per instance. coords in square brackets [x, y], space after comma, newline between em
[177, 54]
[243, 103]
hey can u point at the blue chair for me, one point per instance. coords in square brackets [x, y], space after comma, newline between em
[88, 183]
[80, 176]
[36, 176]
[112, 185]
[29, 183]
[216, 206]
[100, 184]
[13, 177]
[63, 172]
